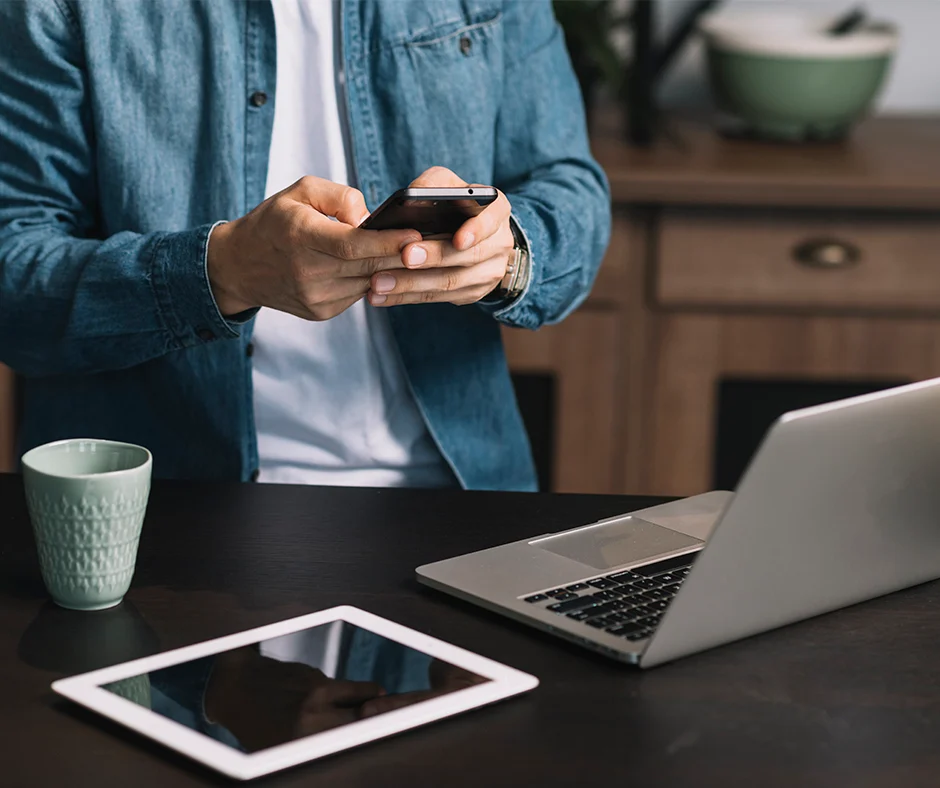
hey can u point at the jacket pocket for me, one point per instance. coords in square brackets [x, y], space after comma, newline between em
[453, 33]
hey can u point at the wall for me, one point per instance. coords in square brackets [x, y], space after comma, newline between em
[913, 85]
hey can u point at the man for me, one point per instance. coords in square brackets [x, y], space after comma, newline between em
[134, 135]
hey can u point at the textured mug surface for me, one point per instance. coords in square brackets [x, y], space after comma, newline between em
[87, 499]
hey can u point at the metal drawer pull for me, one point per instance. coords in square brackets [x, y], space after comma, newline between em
[826, 253]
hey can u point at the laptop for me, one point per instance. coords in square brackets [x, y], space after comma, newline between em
[840, 504]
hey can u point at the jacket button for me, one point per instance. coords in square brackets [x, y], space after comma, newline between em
[205, 334]
[259, 98]
[255, 474]
[249, 350]
[466, 45]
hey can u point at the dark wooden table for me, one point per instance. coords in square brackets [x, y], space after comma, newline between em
[849, 699]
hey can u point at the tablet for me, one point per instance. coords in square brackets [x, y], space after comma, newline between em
[261, 700]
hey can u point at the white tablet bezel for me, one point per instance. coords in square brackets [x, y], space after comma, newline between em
[86, 690]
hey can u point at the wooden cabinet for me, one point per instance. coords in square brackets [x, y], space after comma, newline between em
[810, 260]
[740, 260]
[582, 357]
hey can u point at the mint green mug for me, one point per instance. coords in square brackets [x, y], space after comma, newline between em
[87, 499]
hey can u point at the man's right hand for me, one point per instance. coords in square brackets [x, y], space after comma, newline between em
[288, 254]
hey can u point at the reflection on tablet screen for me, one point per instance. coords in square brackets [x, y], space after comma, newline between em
[297, 685]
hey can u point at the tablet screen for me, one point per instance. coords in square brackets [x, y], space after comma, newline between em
[285, 688]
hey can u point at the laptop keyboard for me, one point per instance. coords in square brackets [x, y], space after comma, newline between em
[627, 604]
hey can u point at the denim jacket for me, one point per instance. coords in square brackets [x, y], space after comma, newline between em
[127, 129]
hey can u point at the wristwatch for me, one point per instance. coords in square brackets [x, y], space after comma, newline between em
[517, 271]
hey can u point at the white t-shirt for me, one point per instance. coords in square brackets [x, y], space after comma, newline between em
[332, 403]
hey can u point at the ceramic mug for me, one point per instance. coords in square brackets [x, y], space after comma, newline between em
[87, 500]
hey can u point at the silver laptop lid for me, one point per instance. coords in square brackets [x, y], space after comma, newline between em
[840, 504]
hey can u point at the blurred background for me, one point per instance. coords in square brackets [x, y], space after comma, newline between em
[775, 169]
[775, 173]
[910, 87]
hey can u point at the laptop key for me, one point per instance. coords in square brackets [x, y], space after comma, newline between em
[579, 615]
[536, 598]
[624, 629]
[668, 565]
[600, 610]
[556, 591]
[577, 587]
[565, 596]
[642, 635]
[598, 623]
[622, 576]
[601, 582]
[603, 596]
[577, 603]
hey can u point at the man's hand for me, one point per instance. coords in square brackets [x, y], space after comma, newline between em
[444, 679]
[460, 271]
[334, 702]
[288, 254]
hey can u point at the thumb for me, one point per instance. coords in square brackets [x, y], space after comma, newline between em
[439, 176]
[331, 199]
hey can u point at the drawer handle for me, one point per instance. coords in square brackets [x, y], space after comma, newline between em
[827, 253]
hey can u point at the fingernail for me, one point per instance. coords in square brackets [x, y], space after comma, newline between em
[384, 283]
[417, 256]
[467, 241]
[362, 218]
[378, 300]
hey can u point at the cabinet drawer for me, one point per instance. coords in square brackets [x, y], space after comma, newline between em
[790, 259]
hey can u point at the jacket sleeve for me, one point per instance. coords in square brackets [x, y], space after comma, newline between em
[69, 302]
[559, 195]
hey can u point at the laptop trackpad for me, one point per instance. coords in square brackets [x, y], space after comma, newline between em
[613, 544]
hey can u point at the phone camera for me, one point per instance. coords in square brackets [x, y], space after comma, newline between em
[469, 191]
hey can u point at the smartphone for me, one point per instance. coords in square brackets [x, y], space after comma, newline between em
[435, 213]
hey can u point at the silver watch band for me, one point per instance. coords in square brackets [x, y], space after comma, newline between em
[514, 281]
[517, 270]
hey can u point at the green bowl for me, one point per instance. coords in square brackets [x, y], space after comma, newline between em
[777, 76]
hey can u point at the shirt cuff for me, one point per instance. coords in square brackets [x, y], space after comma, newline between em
[181, 283]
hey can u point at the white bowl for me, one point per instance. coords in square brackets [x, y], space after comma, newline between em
[793, 34]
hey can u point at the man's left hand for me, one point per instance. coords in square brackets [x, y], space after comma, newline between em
[459, 271]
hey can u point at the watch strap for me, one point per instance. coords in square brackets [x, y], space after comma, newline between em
[517, 269]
